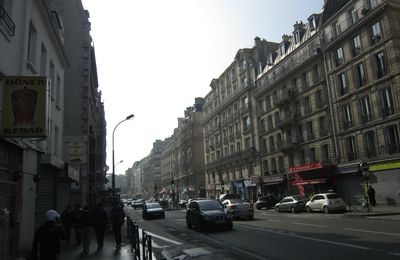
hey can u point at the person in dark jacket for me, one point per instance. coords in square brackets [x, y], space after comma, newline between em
[99, 224]
[371, 195]
[117, 218]
[76, 219]
[47, 238]
[66, 218]
[86, 228]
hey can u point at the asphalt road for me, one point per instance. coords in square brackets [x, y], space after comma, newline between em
[274, 235]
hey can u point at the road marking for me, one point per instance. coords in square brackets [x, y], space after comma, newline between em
[311, 225]
[164, 238]
[249, 253]
[310, 238]
[375, 232]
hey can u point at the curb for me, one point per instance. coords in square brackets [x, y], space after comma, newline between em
[362, 215]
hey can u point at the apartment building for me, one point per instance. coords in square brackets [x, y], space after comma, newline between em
[84, 115]
[293, 116]
[361, 49]
[32, 66]
[230, 135]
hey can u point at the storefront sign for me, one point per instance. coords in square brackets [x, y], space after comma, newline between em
[274, 178]
[306, 182]
[25, 107]
[249, 184]
[73, 174]
[77, 153]
[307, 167]
[384, 166]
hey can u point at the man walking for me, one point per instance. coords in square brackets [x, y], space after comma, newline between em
[86, 228]
[99, 224]
[47, 238]
[117, 218]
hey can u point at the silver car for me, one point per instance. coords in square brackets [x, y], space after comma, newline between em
[325, 202]
[239, 208]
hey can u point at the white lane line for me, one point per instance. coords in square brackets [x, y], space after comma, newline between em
[310, 238]
[274, 220]
[249, 253]
[310, 225]
[375, 232]
[162, 238]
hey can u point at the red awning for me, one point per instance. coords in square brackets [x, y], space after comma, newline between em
[306, 182]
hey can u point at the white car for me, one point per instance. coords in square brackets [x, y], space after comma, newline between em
[325, 202]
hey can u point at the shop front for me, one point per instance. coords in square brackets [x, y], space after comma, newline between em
[274, 185]
[312, 178]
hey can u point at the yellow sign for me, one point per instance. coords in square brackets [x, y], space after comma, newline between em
[24, 107]
[77, 153]
[384, 166]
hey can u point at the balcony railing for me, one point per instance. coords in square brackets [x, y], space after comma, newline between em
[352, 156]
[366, 118]
[387, 111]
[393, 148]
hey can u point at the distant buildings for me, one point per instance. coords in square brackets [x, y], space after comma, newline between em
[300, 115]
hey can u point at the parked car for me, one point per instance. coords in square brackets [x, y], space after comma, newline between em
[267, 201]
[182, 203]
[152, 210]
[326, 202]
[296, 203]
[207, 214]
[137, 203]
[239, 208]
[226, 196]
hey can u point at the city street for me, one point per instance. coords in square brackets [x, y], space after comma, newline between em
[274, 235]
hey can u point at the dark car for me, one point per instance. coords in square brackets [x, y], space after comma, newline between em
[138, 203]
[267, 201]
[152, 210]
[296, 203]
[208, 214]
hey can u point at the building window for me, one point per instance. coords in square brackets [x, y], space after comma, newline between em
[380, 65]
[273, 166]
[270, 124]
[353, 15]
[366, 111]
[268, 104]
[307, 105]
[300, 137]
[323, 129]
[325, 153]
[392, 139]
[247, 143]
[294, 85]
[302, 158]
[319, 99]
[277, 118]
[370, 145]
[32, 43]
[356, 45]
[281, 164]
[291, 160]
[316, 73]
[347, 117]
[361, 77]
[43, 61]
[282, 49]
[376, 32]
[387, 102]
[304, 81]
[351, 148]
[342, 82]
[310, 131]
[311, 155]
[337, 28]
[339, 56]
[271, 144]
[265, 167]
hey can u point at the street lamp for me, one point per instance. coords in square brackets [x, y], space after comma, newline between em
[113, 156]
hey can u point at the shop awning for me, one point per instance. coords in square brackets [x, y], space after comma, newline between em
[272, 183]
[306, 182]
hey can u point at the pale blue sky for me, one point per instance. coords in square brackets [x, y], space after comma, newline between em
[154, 57]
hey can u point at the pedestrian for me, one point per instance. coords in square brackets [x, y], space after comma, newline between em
[99, 224]
[66, 218]
[86, 228]
[371, 195]
[117, 218]
[47, 238]
[76, 222]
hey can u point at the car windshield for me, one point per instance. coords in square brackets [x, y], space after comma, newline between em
[207, 205]
[233, 201]
[332, 196]
[153, 205]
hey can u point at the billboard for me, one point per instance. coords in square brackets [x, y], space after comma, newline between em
[25, 107]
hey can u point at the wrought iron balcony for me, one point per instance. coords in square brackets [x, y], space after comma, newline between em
[7, 21]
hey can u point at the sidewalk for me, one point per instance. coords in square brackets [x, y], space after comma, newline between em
[379, 210]
[72, 251]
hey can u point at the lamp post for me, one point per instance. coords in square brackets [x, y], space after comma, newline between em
[113, 156]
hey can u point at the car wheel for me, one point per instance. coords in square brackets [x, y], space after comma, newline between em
[326, 210]
[189, 226]
[292, 210]
[258, 207]
[277, 209]
[309, 210]
[200, 226]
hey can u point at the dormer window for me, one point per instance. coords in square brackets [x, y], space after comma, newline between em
[282, 49]
[270, 59]
[312, 21]
[296, 37]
